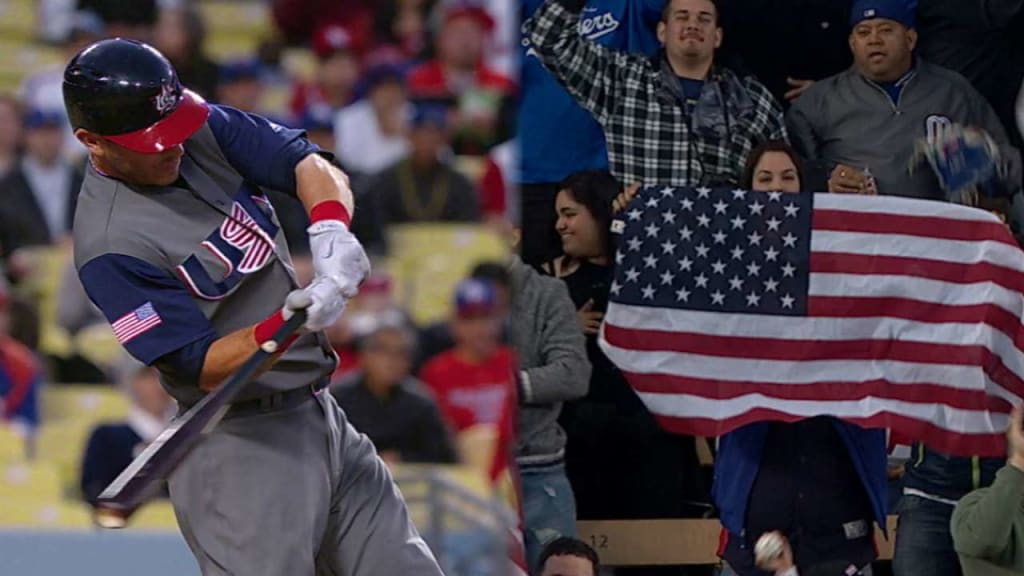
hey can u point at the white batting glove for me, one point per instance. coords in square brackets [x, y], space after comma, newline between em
[322, 300]
[338, 255]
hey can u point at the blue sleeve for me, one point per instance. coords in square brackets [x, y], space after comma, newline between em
[186, 363]
[263, 152]
[152, 313]
[642, 27]
[28, 409]
[95, 473]
[650, 10]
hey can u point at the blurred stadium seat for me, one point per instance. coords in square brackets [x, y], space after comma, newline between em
[429, 260]
[41, 285]
[477, 445]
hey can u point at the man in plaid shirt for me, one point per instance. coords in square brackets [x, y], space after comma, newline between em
[673, 119]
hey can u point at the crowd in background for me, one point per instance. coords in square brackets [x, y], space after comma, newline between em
[795, 96]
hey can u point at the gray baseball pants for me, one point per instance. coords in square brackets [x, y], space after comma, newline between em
[295, 492]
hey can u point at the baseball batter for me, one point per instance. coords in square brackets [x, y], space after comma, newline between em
[176, 242]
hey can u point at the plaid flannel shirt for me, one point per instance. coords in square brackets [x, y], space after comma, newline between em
[654, 135]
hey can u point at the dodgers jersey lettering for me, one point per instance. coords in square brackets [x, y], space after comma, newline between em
[184, 266]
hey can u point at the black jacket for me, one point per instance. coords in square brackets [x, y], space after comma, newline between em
[22, 222]
[408, 422]
[773, 39]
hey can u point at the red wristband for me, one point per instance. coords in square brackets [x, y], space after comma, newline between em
[265, 330]
[330, 210]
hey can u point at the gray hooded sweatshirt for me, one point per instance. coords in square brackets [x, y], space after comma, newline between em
[553, 362]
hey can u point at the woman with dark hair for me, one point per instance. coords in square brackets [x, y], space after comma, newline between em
[621, 464]
[773, 165]
[584, 214]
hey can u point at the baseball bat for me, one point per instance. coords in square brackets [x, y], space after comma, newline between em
[142, 477]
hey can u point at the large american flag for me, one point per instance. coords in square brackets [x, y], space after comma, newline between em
[731, 306]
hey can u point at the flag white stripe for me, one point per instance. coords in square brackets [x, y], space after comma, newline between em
[689, 406]
[924, 290]
[788, 372]
[807, 373]
[129, 336]
[128, 321]
[900, 207]
[127, 333]
[816, 328]
[127, 326]
[958, 251]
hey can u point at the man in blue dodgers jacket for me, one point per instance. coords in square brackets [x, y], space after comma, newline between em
[558, 136]
[677, 119]
[177, 244]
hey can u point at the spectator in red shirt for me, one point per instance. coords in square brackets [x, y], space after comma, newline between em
[474, 380]
[20, 379]
[459, 72]
[338, 69]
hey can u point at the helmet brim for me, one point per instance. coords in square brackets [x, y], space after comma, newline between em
[173, 129]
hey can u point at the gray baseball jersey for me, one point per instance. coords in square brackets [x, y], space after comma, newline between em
[294, 490]
[175, 267]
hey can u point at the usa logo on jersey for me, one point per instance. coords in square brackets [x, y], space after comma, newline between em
[242, 244]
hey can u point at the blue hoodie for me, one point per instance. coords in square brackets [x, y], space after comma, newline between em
[739, 457]
[557, 136]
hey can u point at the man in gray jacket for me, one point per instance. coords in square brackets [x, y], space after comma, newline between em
[861, 125]
[553, 369]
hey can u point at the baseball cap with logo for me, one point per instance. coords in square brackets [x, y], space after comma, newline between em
[474, 297]
[901, 11]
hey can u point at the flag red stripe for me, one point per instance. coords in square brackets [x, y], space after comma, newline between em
[791, 349]
[795, 350]
[135, 326]
[124, 326]
[919, 392]
[919, 311]
[129, 333]
[924, 226]
[984, 445]
[960, 273]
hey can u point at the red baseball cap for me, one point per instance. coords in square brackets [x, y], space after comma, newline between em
[331, 38]
[471, 9]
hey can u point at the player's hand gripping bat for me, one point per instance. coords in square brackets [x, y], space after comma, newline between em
[142, 477]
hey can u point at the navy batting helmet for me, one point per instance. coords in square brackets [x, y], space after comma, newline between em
[129, 93]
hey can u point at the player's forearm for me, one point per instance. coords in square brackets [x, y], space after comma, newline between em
[317, 181]
[227, 354]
